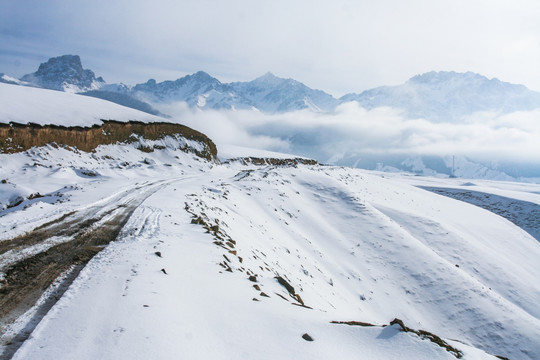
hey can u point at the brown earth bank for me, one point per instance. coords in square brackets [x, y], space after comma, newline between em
[15, 137]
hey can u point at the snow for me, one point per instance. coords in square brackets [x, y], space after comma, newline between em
[355, 245]
[24, 105]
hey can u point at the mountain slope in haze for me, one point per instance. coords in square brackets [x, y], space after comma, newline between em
[449, 96]
[124, 100]
[272, 94]
[444, 166]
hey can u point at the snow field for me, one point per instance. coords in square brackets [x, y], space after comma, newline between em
[123, 305]
[354, 245]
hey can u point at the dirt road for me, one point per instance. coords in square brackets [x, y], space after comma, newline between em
[41, 264]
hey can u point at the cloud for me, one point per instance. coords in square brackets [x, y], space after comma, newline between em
[353, 130]
[225, 127]
[339, 46]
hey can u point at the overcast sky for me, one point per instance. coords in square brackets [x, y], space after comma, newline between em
[336, 45]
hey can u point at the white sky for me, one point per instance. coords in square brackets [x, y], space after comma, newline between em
[338, 46]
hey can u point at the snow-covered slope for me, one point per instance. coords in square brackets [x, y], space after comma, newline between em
[195, 271]
[24, 105]
[448, 96]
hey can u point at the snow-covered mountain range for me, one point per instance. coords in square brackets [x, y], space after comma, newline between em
[435, 96]
[267, 93]
[449, 96]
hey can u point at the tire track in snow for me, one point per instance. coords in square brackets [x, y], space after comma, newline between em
[38, 267]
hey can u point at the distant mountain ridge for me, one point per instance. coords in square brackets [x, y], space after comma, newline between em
[434, 96]
[448, 96]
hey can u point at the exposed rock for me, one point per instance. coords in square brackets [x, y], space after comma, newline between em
[64, 73]
[198, 221]
[352, 323]
[286, 285]
[307, 337]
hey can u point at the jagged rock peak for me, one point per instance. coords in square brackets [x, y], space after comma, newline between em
[203, 76]
[64, 73]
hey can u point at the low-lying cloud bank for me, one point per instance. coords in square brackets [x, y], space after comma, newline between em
[354, 131]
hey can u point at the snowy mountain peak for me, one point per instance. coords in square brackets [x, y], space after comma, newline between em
[268, 78]
[64, 73]
[271, 93]
[438, 77]
[203, 76]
